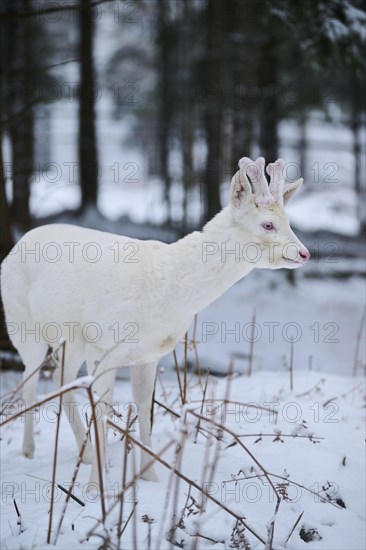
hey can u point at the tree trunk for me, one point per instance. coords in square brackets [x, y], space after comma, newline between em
[240, 76]
[19, 103]
[186, 115]
[356, 126]
[269, 115]
[164, 102]
[6, 240]
[88, 157]
[213, 115]
[303, 146]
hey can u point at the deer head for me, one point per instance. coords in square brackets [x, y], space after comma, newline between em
[262, 216]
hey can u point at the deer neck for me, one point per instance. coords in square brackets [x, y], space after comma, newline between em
[210, 261]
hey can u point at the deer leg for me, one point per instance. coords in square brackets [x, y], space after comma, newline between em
[103, 388]
[32, 356]
[143, 384]
[71, 406]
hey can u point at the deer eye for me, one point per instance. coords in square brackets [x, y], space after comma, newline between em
[268, 226]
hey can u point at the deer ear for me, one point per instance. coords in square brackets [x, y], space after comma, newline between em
[290, 190]
[241, 191]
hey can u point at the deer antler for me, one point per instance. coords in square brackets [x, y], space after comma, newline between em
[255, 171]
[275, 170]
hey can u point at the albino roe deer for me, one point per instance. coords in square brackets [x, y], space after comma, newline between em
[130, 301]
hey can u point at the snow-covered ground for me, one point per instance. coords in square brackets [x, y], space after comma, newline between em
[312, 436]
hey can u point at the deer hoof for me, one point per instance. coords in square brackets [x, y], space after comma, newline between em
[28, 452]
[150, 475]
[87, 455]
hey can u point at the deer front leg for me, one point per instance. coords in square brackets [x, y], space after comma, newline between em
[73, 359]
[143, 383]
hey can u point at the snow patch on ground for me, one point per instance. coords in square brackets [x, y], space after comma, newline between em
[312, 435]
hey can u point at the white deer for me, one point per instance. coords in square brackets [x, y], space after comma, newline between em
[99, 288]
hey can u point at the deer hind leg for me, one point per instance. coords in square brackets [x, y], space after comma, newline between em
[143, 384]
[102, 388]
[32, 355]
[74, 357]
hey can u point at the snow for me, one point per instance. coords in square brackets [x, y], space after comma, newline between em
[326, 410]
[323, 315]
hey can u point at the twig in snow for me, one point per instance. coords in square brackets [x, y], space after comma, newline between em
[203, 401]
[19, 520]
[316, 387]
[14, 392]
[343, 395]
[291, 368]
[55, 451]
[194, 344]
[178, 376]
[294, 527]
[234, 435]
[357, 347]
[124, 472]
[251, 345]
[185, 367]
[63, 489]
[269, 545]
[176, 463]
[157, 457]
[128, 520]
[98, 442]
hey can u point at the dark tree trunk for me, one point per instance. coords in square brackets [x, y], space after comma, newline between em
[19, 101]
[303, 145]
[213, 109]
[240, 76]
[269, 109]
[356, 127]
[88, 159]
[187, 115]
[6, 243]
[6, 240]
[164, 101]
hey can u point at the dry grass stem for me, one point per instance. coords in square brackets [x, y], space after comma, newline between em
[203, 401]
[194, 344]
[73, 480]
[288, 480]
[234, 435]
[158, 458]
[98, 442]
[178, 376]
[14, 392]
[294, 526]
[55, 450]
[358, 343]
[185, 368]
[269, 544]
[176, 464]
[77, 385]
[291, 368]
[251, 345]
[124, 473]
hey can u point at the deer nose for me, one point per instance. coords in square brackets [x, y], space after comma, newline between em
[304, 255]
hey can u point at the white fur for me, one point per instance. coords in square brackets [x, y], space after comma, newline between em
[151, 292]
